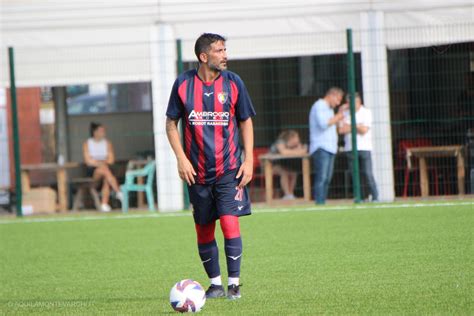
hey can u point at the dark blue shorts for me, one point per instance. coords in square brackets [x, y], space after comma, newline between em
[211, 201]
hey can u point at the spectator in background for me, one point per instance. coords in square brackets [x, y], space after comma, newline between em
[288, 144]
[99, 156]
[364, 142]
[323, 139]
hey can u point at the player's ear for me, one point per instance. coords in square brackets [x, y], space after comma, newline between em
[203, 57]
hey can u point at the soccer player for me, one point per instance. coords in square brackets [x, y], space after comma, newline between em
[214, 107]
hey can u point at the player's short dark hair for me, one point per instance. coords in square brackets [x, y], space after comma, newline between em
[203, 43]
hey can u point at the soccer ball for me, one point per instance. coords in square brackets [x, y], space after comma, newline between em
[187, 296]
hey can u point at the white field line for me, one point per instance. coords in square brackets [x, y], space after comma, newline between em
[255, 211]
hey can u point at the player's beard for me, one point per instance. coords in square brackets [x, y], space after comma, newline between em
[217, 67]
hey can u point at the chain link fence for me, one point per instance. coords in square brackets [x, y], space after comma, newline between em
[421, 96]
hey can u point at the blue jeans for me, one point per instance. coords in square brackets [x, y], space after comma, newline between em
[365, 167]
[323, 165]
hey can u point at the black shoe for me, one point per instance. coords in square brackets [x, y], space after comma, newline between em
[233, 292]
[215, 291]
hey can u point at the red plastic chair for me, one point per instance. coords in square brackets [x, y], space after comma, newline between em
[258, 174]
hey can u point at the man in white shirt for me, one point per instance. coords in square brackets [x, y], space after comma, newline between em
[364, 142]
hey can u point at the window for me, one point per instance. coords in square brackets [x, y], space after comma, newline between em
[109, 98]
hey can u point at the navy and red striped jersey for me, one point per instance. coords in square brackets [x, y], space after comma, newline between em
[210, 113]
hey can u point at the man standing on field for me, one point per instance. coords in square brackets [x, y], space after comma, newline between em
[214, 106]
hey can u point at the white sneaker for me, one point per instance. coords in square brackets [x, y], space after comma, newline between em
[119, 196]
[105, 208]
[288, 197]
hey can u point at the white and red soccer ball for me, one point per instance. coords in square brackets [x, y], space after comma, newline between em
[187, 296]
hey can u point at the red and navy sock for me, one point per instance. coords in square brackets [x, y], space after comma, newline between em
[208, 250]
[233, 246]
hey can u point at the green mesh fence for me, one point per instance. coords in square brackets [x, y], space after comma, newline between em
[431, 99]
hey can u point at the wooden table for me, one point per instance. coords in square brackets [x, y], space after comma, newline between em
[61, 177]
[267, 162]
[437, 151]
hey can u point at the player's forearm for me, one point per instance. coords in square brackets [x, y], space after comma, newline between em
[246, 129]
[174, 138]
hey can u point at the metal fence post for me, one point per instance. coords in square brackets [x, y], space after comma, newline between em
[351, 89]
[180, 70]
[16, 137]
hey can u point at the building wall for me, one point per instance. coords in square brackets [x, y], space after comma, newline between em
[4, 144]
[28, 104]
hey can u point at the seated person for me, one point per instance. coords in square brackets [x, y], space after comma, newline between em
[98, 157]
[288, 143]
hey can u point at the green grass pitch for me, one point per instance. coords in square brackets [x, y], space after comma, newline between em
[385, 259]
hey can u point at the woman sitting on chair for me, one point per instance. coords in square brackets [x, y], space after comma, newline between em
[288, 144]
[98, 157]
